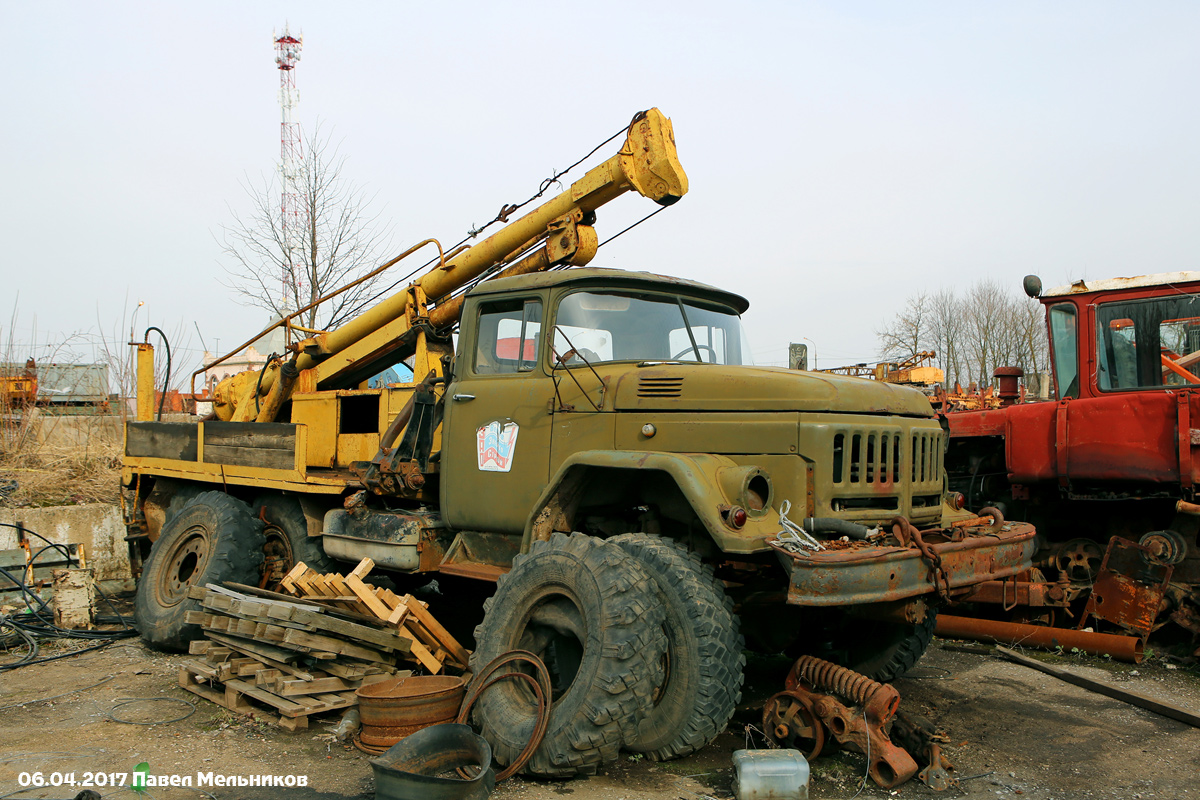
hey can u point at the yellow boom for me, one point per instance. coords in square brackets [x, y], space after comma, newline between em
[379, 337]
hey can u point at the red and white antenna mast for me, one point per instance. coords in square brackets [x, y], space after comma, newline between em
[291, 209]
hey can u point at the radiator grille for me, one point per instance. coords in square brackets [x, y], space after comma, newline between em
[927, 457]
[882, 456]
[869, 456]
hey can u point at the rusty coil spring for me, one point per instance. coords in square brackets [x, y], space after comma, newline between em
[827, 676]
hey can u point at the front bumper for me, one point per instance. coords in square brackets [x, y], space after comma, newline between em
[859, 572]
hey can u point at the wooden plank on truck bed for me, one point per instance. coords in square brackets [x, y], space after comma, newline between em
[175, 441]
[270, 445]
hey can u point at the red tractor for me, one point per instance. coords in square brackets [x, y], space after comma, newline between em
[1108, 470]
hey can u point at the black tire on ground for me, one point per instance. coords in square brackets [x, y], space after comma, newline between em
[288, 541]
[703, 674]
[883, 651]
[587, 609]
[210, 539]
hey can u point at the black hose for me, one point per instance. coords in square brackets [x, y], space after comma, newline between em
[28, 640]
[40, 622]
[167, 379]
[70, 559]
[835, 525]
[258, 386]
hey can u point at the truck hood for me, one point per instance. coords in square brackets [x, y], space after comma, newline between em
[712, 387]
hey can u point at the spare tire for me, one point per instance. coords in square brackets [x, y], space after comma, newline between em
[588, 610]
[703, 675]
[209, 539]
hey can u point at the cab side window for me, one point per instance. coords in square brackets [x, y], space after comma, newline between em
[507, 338]
[1064, 336]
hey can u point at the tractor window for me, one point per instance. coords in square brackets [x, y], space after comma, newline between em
[1142, 344]
[1064, 335]
[621, 326]
[507, 337]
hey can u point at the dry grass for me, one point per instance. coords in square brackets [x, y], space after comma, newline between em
[48, 473]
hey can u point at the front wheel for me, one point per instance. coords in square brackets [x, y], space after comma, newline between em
[209, 539]
[587, 609]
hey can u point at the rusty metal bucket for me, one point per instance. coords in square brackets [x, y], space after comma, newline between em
[423, 766]
[392, 710]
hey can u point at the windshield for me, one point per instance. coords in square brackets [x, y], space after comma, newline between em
[1148, 343]
[628, 326]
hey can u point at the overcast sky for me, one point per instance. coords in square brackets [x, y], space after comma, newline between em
[841, 155]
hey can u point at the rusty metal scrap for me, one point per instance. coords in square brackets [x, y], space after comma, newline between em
[1129, 587]
[1122, 648]
[1035, 593]
[920, 738]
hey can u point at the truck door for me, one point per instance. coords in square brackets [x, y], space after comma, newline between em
[496, 433]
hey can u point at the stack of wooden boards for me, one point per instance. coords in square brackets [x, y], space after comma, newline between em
[430, 644]
[306, 656]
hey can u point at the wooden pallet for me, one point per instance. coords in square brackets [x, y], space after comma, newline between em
[430, 644]
[221, 676]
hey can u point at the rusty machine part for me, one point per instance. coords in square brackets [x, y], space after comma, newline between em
[1164, 547]
[920, 738]
[1129, 587]
[815, 702]
[789, 720]
[540, 686]
[1122, 648]
[1079, 560]
[394, 709]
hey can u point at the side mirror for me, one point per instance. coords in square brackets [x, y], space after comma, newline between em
[1032, 286]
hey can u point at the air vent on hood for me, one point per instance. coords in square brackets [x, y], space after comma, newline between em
[660, 387]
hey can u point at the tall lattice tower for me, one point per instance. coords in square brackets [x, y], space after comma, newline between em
[291, 207]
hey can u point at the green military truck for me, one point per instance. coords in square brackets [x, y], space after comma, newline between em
[598, 444]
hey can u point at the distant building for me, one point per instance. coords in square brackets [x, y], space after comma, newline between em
[253, 357]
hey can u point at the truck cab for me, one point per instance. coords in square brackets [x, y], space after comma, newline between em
[1114, 456]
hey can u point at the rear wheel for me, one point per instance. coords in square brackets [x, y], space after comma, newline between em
[587, 609]
[288, 542]
[703, 668]
[210, 538]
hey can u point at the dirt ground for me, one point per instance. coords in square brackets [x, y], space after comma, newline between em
[1014, 731]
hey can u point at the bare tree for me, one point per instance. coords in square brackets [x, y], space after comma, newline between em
[972, 333]
[908, 330]
[946, 334]
[339, 239]
[986, 312]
